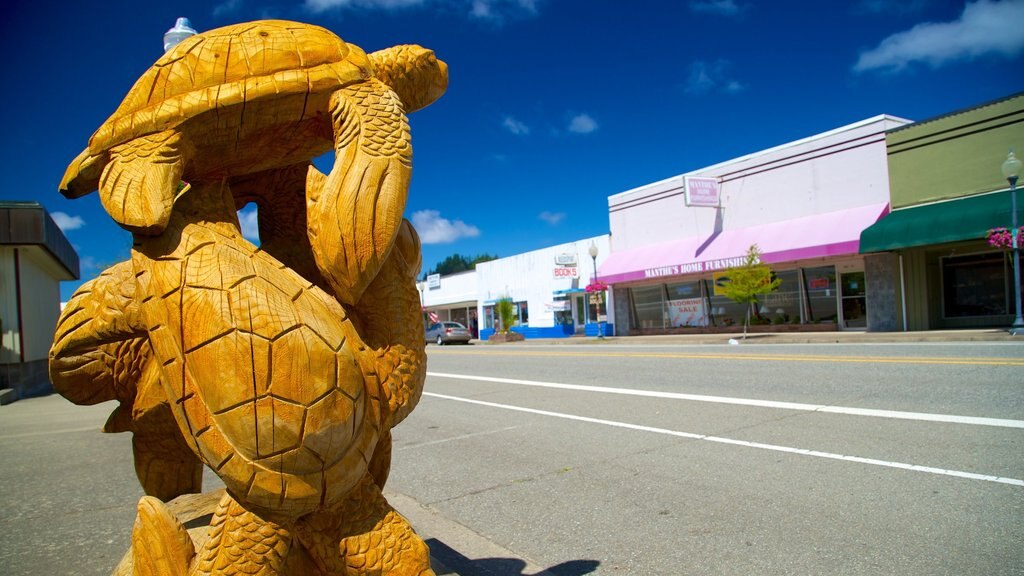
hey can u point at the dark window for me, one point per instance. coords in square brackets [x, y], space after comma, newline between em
[975, 285]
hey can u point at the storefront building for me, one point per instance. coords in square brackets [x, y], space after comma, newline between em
[804, 204]
[932, 266]
[450, 298]
[35, 257]
[548, 291]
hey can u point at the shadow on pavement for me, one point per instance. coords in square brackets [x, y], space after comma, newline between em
[457, 564]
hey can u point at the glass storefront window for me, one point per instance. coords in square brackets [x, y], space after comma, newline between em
[686, 305]
[783, 305]
[460, 315]
[648, 306]
[523, 313]
[975, 285]
[820, 284]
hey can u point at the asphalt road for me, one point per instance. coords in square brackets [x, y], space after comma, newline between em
[828, 459]
[780, 459]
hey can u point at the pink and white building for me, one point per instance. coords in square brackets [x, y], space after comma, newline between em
[804, 204]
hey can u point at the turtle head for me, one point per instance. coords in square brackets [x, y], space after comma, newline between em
[413, 72]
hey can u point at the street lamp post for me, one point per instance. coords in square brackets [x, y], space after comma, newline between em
[1011, 170]
[597, 306]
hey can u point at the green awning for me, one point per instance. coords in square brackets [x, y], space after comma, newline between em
[967, 218]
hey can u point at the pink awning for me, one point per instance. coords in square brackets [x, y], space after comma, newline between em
[822, 235]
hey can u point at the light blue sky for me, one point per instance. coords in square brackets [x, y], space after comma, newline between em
[553, 105]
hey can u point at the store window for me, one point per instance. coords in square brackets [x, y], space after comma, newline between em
[523, 313]
[975, 285]
[648, 306]
[820, 285]
[783, 305]
[686, 305]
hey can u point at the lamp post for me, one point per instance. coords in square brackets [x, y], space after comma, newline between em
[1011, 170]
[597, 306]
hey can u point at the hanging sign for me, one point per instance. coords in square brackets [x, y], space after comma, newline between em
[687, 312]
[565, 259]
[703, 191]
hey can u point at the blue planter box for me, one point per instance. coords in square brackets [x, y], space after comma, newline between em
[560, 331]
[591, 329]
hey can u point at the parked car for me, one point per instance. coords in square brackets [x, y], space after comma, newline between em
[448, 332]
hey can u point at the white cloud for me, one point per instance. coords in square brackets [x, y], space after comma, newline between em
[436, 230]
[493, 10]
[733, 87]
[88, 264]
[889, 6]
[66, 222]
[325, 5]
[248, 218]
[227, 7]
[720, 7]
[515, 126]
[984, 28]
[552, 218]
[706, 77]
[500, 9]
[582, 124]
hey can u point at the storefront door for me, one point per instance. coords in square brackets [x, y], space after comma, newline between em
[854, 300]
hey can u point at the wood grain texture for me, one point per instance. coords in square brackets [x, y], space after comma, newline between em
[281, 367]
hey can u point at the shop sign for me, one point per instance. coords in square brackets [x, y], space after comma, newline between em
[703, 191]
[566, 272]
[694, 267]
[687, 312]
[434, 281]
[559, 306]
[565, 260]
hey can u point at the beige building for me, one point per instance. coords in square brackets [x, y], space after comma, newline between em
[930, 266]
[34, 258]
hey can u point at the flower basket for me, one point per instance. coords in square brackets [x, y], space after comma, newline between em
[597, 286]
[1003, 237]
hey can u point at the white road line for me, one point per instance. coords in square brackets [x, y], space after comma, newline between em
[952, 419]
[720, 440]
[456, 438]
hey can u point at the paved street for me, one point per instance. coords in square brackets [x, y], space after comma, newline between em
[815, 459]
[631, 459]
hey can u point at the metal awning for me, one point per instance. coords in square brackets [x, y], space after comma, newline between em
[569, 291]
[968, 218]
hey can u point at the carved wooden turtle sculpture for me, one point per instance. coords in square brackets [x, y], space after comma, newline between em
[282, 367]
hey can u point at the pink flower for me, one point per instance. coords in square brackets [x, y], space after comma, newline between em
[1003, 238]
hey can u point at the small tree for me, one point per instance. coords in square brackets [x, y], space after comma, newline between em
[506, 313]
[749, 280]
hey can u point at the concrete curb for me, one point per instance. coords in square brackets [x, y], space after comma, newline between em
[455, 549]
[984, 335]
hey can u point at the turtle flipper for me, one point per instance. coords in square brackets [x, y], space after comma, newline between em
[139, 185]
[99, 346]
[164, 462]
[160, 544]
[354, 213]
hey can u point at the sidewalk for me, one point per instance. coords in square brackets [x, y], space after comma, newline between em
[838, 337]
